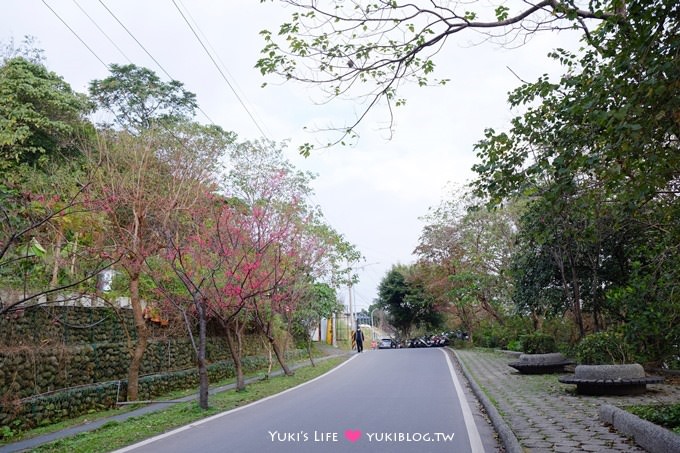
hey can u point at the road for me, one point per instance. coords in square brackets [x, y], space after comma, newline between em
[401, 400]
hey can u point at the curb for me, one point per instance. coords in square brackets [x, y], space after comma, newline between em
[651, 437]
[506, 434]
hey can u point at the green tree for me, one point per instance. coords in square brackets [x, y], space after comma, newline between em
[48, 236]
[463, 257]
[139, 99]
[408, 305]
[597, 153]
[41, 117]
[318, 301]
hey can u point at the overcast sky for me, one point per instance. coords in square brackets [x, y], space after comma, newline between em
[374, 192]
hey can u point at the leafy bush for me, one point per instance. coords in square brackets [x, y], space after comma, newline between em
[491, 334]
[603, 348]
[667, 416]
[461, 344]
[515, 345]
[538, 343]
[6, 433]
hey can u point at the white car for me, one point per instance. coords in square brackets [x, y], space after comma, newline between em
[387, 343]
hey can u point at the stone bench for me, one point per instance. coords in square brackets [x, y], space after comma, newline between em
[540, 363]
[627, 379]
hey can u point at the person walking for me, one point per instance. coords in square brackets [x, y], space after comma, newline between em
[359, 339]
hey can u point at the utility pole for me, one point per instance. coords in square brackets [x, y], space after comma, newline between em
[373, 325]
[351, 312]
[352, 319]
[335, 329]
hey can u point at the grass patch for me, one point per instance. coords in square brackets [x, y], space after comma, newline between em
[8, 437]
[114, 435]
[54, 427]
[667, 415]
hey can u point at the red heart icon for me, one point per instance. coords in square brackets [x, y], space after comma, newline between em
[353, 435]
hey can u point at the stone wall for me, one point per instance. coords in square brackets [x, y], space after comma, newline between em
[38, 325]
[41, 410]
[62, 361]
[27, 371]
[43, 349]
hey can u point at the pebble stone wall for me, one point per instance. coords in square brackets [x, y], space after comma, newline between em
[62, 362]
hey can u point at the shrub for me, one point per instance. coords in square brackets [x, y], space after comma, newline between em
[515, 345]
[538, 343]
[491, 334]
[461, 344]
[603, 348]
[667, 416]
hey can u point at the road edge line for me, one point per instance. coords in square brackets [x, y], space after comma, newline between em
[476, 445]
[222, 414]
[505, 433]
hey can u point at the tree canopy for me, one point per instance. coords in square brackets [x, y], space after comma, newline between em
[138, 98]
[41, 117]
[596, 157]
[407, 303]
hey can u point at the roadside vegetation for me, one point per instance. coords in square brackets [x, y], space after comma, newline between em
[192, 227]
[569, 230]
[114, 435]
[667, 416]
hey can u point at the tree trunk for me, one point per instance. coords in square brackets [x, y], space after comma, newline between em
[577, 297]
[594, 288]
[270, 362]
[202, 366]
[315, 325]
[536, 320]
[141, 342]
[486, 306]
[309, 352]
[232, 333]
[266, 329]
[280, 357]
[56, 265]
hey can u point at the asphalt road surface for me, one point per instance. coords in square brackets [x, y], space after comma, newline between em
[399, 400]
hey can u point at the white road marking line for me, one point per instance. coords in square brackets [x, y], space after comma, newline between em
[222, 414]
[473, 434]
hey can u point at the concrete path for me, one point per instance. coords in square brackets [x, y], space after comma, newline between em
[546, 416]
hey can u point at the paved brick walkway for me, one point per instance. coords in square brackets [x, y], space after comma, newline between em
[547, 416]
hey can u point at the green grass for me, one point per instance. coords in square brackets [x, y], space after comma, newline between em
[667, 415]
[114, 435]
[97, 415]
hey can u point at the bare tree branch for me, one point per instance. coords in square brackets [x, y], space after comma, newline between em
[365, 47]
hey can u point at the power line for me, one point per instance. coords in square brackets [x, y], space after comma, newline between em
[107, 67]
[75, 34]
[220, 70]
[136, 40]
[102, 31]
[148, 53]
[211, 47]
[219, 60]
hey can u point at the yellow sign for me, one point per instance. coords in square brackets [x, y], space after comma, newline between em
[329, 331]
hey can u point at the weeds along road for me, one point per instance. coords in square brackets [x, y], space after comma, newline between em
[398, 400]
